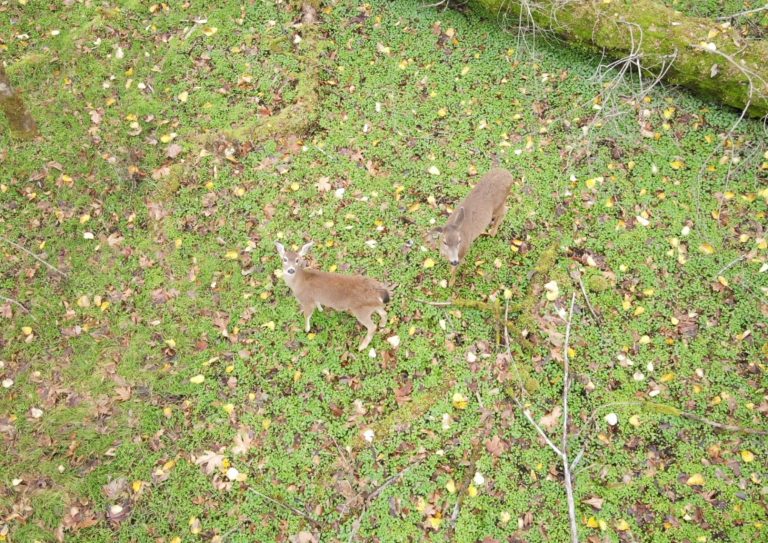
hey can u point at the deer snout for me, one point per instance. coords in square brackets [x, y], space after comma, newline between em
[454, 262]
[290, 271]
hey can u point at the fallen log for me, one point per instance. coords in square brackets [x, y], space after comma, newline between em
[708, 57]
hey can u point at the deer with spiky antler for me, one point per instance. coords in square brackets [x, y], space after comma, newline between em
[315, 289]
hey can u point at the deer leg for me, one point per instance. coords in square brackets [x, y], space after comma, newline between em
[308, 310]
[364, 316]
[319, 307]
[452, 280]
[383, 315]
[498, 217]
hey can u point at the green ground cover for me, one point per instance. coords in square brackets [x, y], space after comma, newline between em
[165, 228]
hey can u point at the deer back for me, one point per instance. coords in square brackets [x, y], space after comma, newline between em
[337, 291]
[479, 205]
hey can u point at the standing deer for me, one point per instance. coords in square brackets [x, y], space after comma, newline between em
[483, 206]
[357, 294]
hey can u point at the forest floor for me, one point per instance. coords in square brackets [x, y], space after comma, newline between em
[157, 383]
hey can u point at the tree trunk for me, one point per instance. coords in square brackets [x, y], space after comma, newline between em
[22, 124]
[712, 60]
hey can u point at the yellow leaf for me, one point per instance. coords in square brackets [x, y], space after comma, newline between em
[450, 486]
[639, 310]
[677, 164]
[210, 30]
[465, 70]
[667, 377]
[171, 343]
[592, 522]
[26, 330]
[622, 525]
[697, 479]
[266, 423]
[296, 376]
[137, 485]
[228, 407]
[634, 420]
[183, 96]
[429, 263]
[706, 248]
[459, 401]
[167, 138]
[435, 521]
[197, 379]
[231, 255]
[472, 491]
[747, 456]
[84, 218]
[442, 112]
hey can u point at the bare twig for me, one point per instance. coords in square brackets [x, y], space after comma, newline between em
[731, 264]
[33, 255]
[562, 450]
[314, 522]
[566, 465]
[18, 304]
[375, 494]
[741, 13]
[586, 298]
[721, 426]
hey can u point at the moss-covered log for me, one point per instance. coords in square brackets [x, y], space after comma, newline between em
[21, 122]
[710, 58]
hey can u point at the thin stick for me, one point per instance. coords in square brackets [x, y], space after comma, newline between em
[19, 304]
[721, 426]
[731, 264]
[374, 494]
[436, 304]
[564, 448]
[315, 523]
[552, 446]
[741, 13]
[586, 299]
[33, 255]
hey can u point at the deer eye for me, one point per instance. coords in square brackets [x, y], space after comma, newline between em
[285, 259]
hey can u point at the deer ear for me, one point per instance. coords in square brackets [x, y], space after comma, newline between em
[280, 248]
[305, 249]
[459, 217]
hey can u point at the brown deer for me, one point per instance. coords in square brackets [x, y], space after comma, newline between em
[357, 294]
[484, 205]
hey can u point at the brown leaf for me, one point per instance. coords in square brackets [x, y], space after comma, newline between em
[115, 487]
[495, 446]
[550, 421]
[243, 441]
[595, 502]
[209, 461]
[173, 150]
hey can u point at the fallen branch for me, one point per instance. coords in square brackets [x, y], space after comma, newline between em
[314, 522]
[33, 255]
[18, 304]
[562, 450]
[577, 275]
[375, 494]
[741, 13]
[731, 264]
[494, 308]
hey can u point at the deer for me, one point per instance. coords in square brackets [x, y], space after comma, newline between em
[485, 205]
[360, 295]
